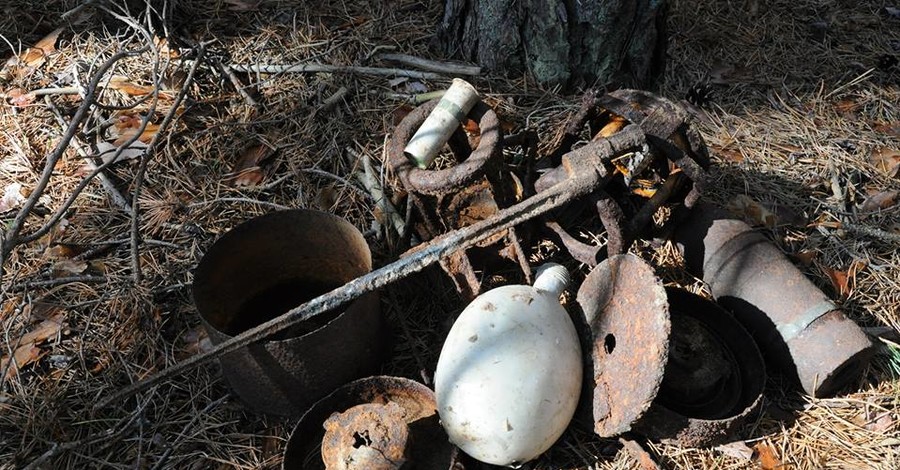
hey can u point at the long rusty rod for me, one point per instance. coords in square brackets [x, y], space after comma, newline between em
[585, 174]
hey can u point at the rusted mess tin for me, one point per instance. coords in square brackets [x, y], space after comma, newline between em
[800, 330]
[269, 265]
[664, 362]
[375, 423]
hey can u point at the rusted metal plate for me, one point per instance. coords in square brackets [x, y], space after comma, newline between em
[372, 413]
[800, 330]
[624, 305]
[371, 436]
[714, 377]
[269, 265]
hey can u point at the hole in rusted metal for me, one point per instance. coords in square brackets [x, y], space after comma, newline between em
[609, 343]
[361, 439]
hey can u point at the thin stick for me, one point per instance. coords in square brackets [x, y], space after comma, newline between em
[432, 65]
[117, 198]
[348, 183]
[316, 68]
[236, 82]
[332, 101]
[872, 232]
[145, 160]
[438, 248]
[57, 282]
[10, 238]
[370, 181]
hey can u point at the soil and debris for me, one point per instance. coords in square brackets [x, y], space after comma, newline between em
[798, 101]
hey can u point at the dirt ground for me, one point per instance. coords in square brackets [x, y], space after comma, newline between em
[800, 109]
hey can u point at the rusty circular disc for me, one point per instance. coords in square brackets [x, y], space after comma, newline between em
[625, 306]
[399, 401]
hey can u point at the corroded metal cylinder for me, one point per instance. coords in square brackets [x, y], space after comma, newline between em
[799, 329]
[263, 268]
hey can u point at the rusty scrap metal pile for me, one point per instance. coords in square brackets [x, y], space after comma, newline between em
[656, 361]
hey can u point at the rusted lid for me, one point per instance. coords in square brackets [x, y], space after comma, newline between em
[625, 306]
[368, 419]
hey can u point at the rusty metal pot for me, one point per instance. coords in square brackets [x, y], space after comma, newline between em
[370, 419]
[666, 363]
[800, 330]
[263, 268]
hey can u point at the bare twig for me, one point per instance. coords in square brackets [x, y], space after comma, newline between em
[10, 238]
[236, 82]
[117, 198]
[368, 178]
[432, 65]
[332, 101]
[345, 181]
[416, 99]
[56, 282]
[872, 232]
[316, 68]
[145, 160]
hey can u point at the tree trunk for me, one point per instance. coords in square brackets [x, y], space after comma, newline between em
[566, 42]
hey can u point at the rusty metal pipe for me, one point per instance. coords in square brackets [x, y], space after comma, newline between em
[800, 330]
[586, 173]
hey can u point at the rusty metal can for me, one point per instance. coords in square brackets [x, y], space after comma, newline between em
[799, 329]
[263, 268]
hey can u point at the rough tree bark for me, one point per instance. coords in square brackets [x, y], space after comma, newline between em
[567, 42]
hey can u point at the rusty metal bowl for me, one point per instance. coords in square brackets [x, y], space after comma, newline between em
[370, 418]
[714, 376]
[666, 363]
[263, 268]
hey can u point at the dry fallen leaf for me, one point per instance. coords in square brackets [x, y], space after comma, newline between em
[889, 128]
[806, 257]
[248, 171]
[19, 98]
[881, 423]
[107, 151]
[120, 83]
[35, 56]
[847, 108]
[44, 330]
[27, 352]
[767, 458]
[23, 355]
[887, 160]
[12, 197]
[730, 154]
[880, 201]
[326, 198]
[68, 267]
[844, 282]
[127, 127]
[768, 215]
[738, 449]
